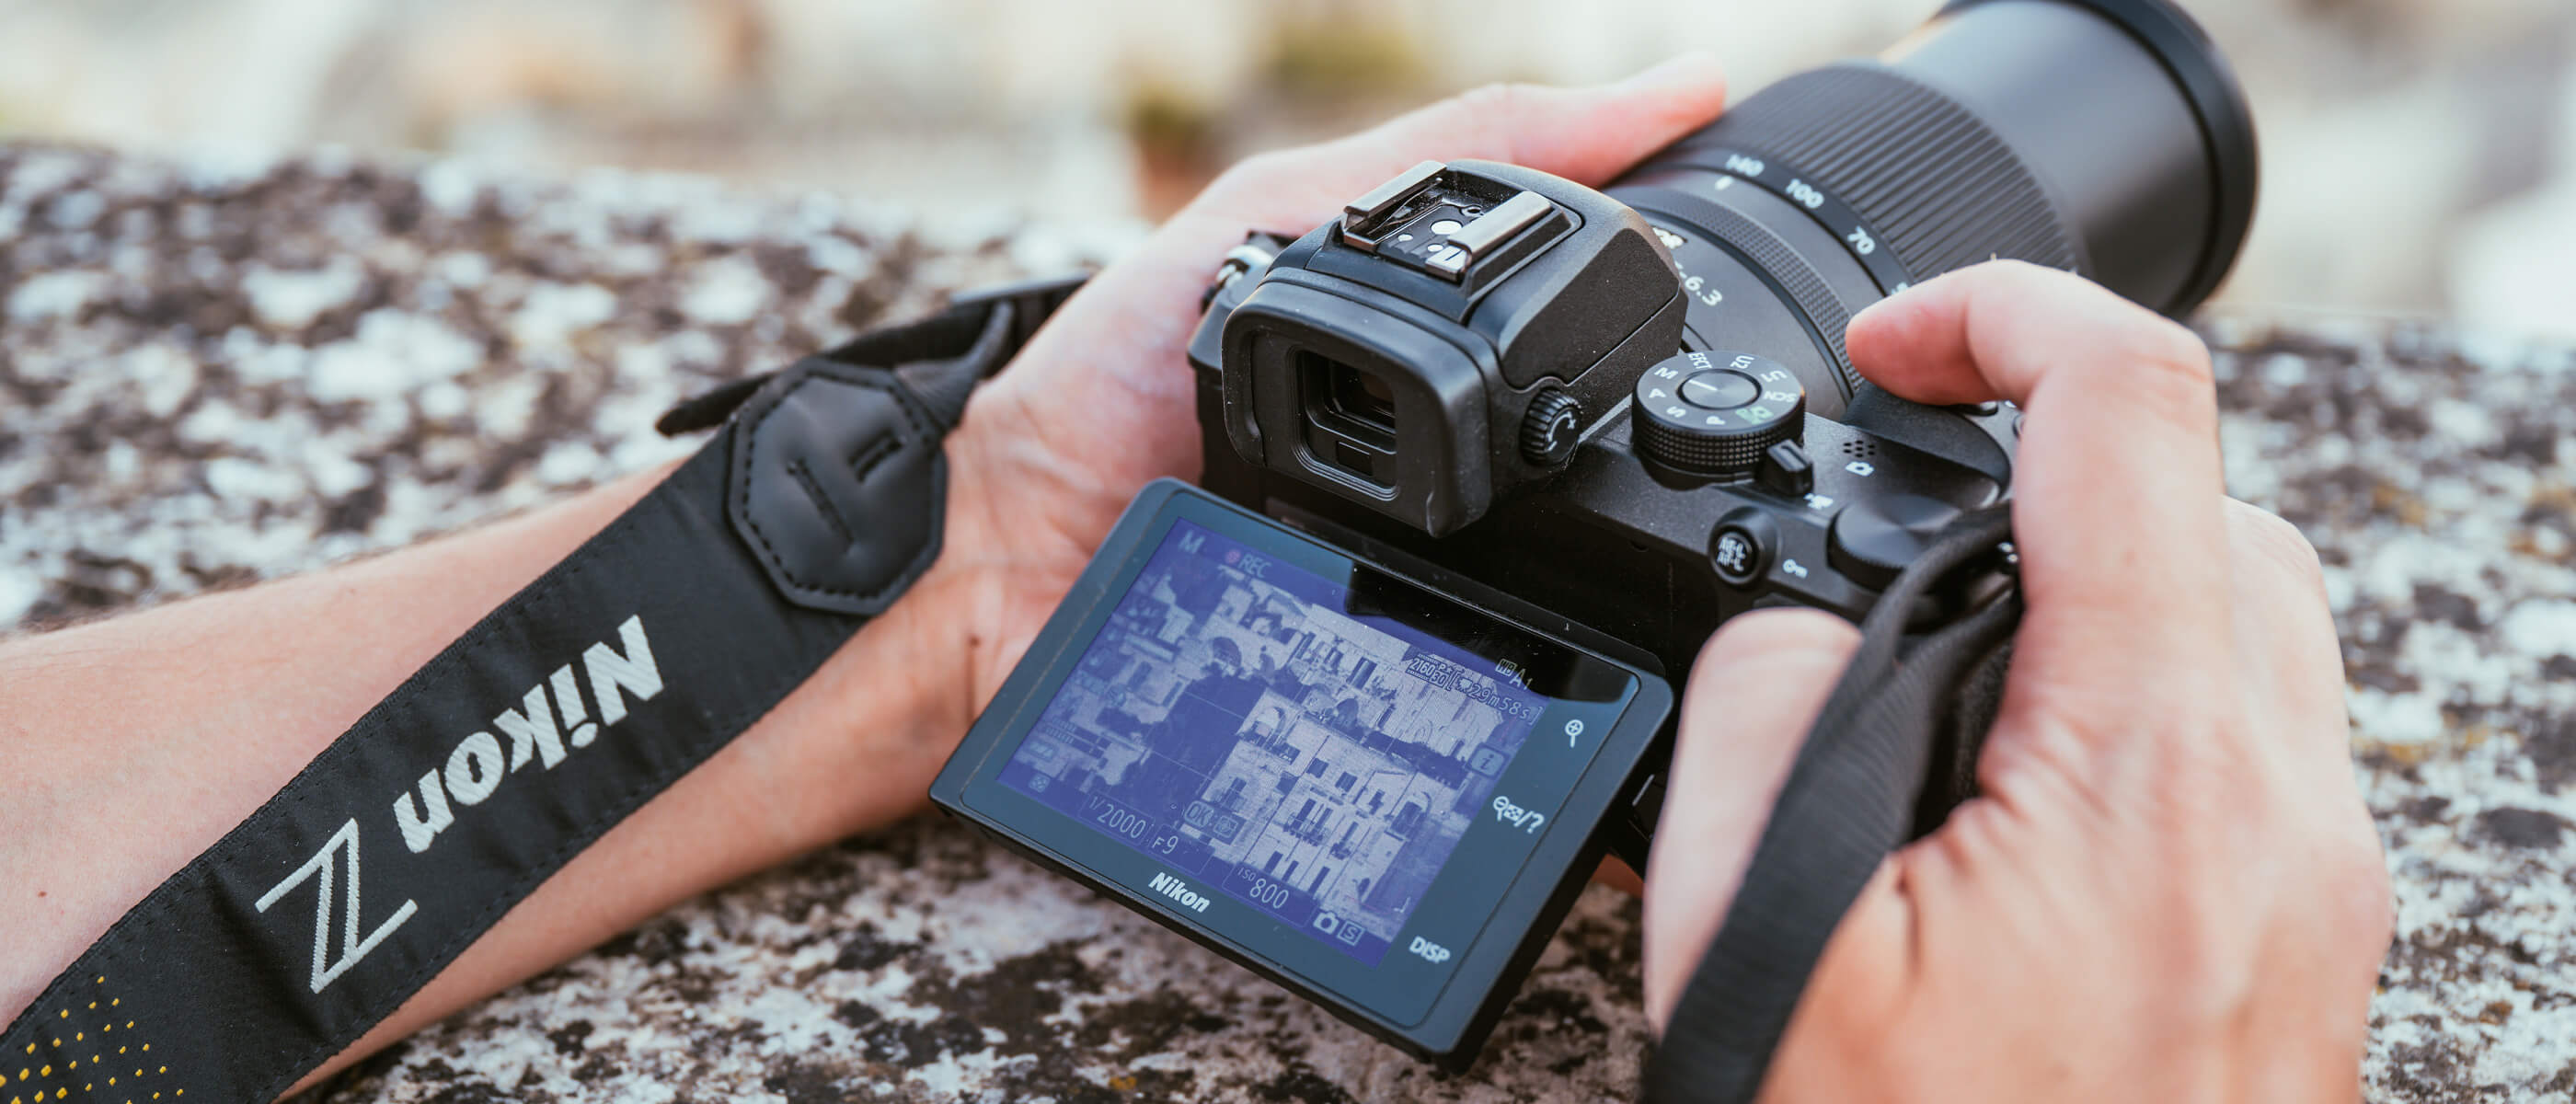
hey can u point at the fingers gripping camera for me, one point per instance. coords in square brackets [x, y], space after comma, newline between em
[1495, 453]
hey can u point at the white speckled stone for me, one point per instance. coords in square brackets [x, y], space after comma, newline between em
[214, 371]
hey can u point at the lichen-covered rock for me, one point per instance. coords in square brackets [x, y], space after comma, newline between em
[216, 372]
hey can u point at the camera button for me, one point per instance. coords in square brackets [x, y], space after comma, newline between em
[1874, 539]
[1741, 546]
[1737, 554]
[1786, 470]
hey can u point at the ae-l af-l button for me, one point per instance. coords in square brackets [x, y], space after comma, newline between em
[1741, 546]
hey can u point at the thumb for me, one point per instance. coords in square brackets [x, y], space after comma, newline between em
[1583, 134]
[1753, 693]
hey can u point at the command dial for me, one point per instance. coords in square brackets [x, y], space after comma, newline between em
[1714, 413]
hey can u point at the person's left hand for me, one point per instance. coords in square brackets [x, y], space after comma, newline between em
[1100, 402]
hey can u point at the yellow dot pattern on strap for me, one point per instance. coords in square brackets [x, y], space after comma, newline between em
[27, 1076]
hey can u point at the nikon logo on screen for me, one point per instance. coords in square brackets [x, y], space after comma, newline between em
[1179, 891]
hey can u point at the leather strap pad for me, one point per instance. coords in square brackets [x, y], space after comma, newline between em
[832, 470]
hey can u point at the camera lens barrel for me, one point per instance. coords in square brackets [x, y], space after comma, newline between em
[2102, 136]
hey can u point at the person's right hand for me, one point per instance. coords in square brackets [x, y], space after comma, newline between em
[2169, 890]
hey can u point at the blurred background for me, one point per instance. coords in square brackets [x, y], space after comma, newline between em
[2420, 155]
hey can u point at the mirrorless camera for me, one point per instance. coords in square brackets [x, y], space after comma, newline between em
[1491, 454]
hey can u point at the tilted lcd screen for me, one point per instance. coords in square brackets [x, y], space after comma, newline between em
[1242, 721]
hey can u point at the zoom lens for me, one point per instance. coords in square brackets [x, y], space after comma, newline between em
[2106, 137]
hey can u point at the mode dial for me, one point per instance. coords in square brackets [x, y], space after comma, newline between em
[1714, 413]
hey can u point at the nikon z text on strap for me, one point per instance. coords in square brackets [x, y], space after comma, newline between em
[1891, 751]
[597, 686]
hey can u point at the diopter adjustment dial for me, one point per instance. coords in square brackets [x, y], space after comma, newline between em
[1714, 413]
[1551, 428]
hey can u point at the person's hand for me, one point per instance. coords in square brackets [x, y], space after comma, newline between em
[2170, 889]
[1099, 403]
[1101, 400]
[251, 684]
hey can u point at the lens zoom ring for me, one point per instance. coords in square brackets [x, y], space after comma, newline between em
[1941, 187]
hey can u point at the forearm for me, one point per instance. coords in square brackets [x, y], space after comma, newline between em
[130, 745]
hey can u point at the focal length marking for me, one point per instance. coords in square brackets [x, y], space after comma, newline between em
[1837, 217]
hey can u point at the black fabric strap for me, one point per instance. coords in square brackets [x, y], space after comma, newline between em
[555, 716]
[1892, 750]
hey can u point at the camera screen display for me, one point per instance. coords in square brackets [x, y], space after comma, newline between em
[1378, 791]
[1266, 731]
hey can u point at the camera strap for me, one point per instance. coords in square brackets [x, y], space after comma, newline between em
[1893, 749]
[814, 506]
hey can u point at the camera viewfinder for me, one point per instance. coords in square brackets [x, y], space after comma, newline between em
[1350, 417]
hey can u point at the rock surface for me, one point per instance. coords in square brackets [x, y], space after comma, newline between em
[215, 372]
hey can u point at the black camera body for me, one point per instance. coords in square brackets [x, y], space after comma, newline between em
[1459, 370]
[1535, 425]
[1380, 357]
[1488, 457]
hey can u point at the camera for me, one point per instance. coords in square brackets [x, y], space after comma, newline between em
[1490, 455]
